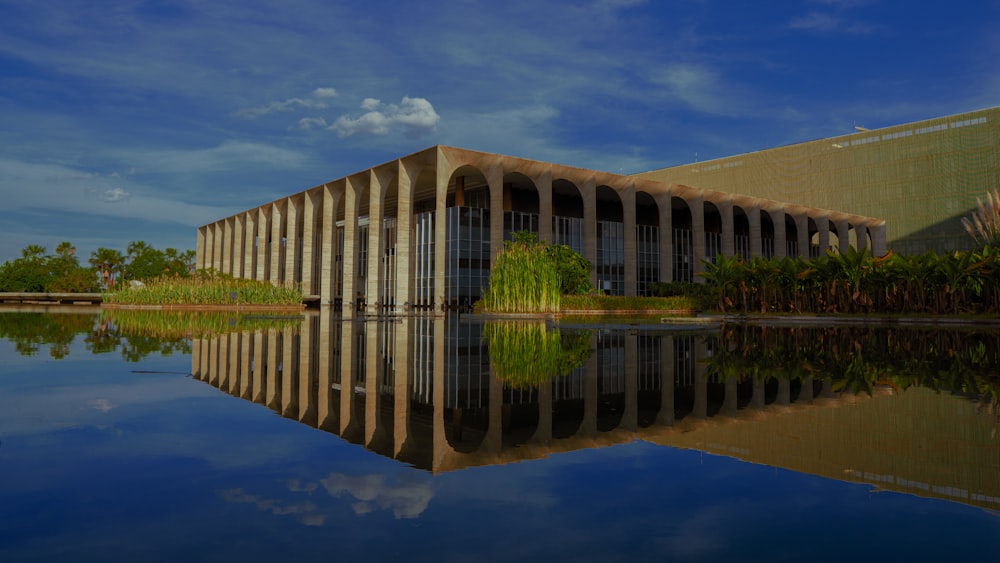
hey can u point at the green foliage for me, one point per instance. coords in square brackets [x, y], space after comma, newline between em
[37, 272]
[524, 354]
[856, 282]
[206, 288]
[639, 305]
[524, 279]
[984, 223]
[573, 269]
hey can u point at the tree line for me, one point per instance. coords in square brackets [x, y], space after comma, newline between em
[60, 271]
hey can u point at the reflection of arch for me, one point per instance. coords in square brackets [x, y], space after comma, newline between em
[683, 250]
[647, 235]
[610, 266]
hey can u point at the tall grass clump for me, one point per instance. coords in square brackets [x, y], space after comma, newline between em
[524, 354]
[524, 279]
[984, 223]
[206, 289]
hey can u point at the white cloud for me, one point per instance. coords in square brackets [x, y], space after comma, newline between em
[306, 511]
[317, 101]
[815, 21]
[698, 87]
[416, 117]
[407, 500]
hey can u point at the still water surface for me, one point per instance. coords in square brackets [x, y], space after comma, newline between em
[435, 440]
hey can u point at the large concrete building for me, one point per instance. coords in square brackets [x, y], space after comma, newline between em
[922, 177]
[442, 215]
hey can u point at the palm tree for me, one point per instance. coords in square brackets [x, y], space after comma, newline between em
[107, 262]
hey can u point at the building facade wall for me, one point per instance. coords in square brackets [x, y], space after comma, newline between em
[401, 235]
[922, 177]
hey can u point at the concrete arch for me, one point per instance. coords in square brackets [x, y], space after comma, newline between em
[521, 204]
[742, 234]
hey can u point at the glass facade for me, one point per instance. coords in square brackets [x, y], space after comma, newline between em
[568, 231]
[423, 270]
[467, 271]
[647, 257]
[683, 256]
[610, 264]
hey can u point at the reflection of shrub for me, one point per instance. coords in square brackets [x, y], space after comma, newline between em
[173, 324]
[525, 354]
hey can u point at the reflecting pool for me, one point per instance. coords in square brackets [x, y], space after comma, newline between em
[147, 437]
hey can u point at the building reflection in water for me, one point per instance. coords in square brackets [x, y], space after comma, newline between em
[421, 390]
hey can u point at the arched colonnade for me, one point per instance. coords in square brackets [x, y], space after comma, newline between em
[633, 231]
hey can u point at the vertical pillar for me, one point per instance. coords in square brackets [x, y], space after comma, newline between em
[331, 199]
[756, 236]
[352, 192]
[843, 236]
[802, 230]
[494, 177]
[307, 372]
[780, 235]
[823, 228]
[309, 203]
[272, 391]
[404, 234]
[588, 191]
[292, 230]
[259, 366]
[588, 427]
[249, 244]
[697, 207]
[666, 228]
[544, 187]
[277, 248]
[245, 374]
[629, 247]
[227, 246]
[263, 218]
[630, 417]
[324, 369]
[403, 362]
[196, 358]
[440, 234]
[700, 409]
[861, 234]
[879, 245]
[200, 254]
[728, 231]
[289, 398]
[239, 245]
[217, 238]
[375, 242]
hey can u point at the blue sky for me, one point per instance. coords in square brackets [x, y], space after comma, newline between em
[141, 120]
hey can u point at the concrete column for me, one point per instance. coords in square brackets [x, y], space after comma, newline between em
[249, 250]
[494, 177]
[263, 230]
[404, 234]
[666, 228]
[239, 245]
[700, 409]
[372, 394]
[217, 238]
[331, 200]
[232, 343]
[289, 377]
[843, 236]
[756, 236]
[543, 432]
[353, 190]
[588, 426]
[227, 246]
[310, 201]
[200, 255]
[728, 231]
[861, 234]
[879, 245]
[630, 248]
[325, 416]
[348, 355]
[213, 361]
[544, 186]
[802, 228]
[823, 227]
[697, 207]
[780, 238]
[292, 230]
[375, 242]
[402, 388]
[439, 440]
[277, 248]
[440, 235]
[588, 191]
